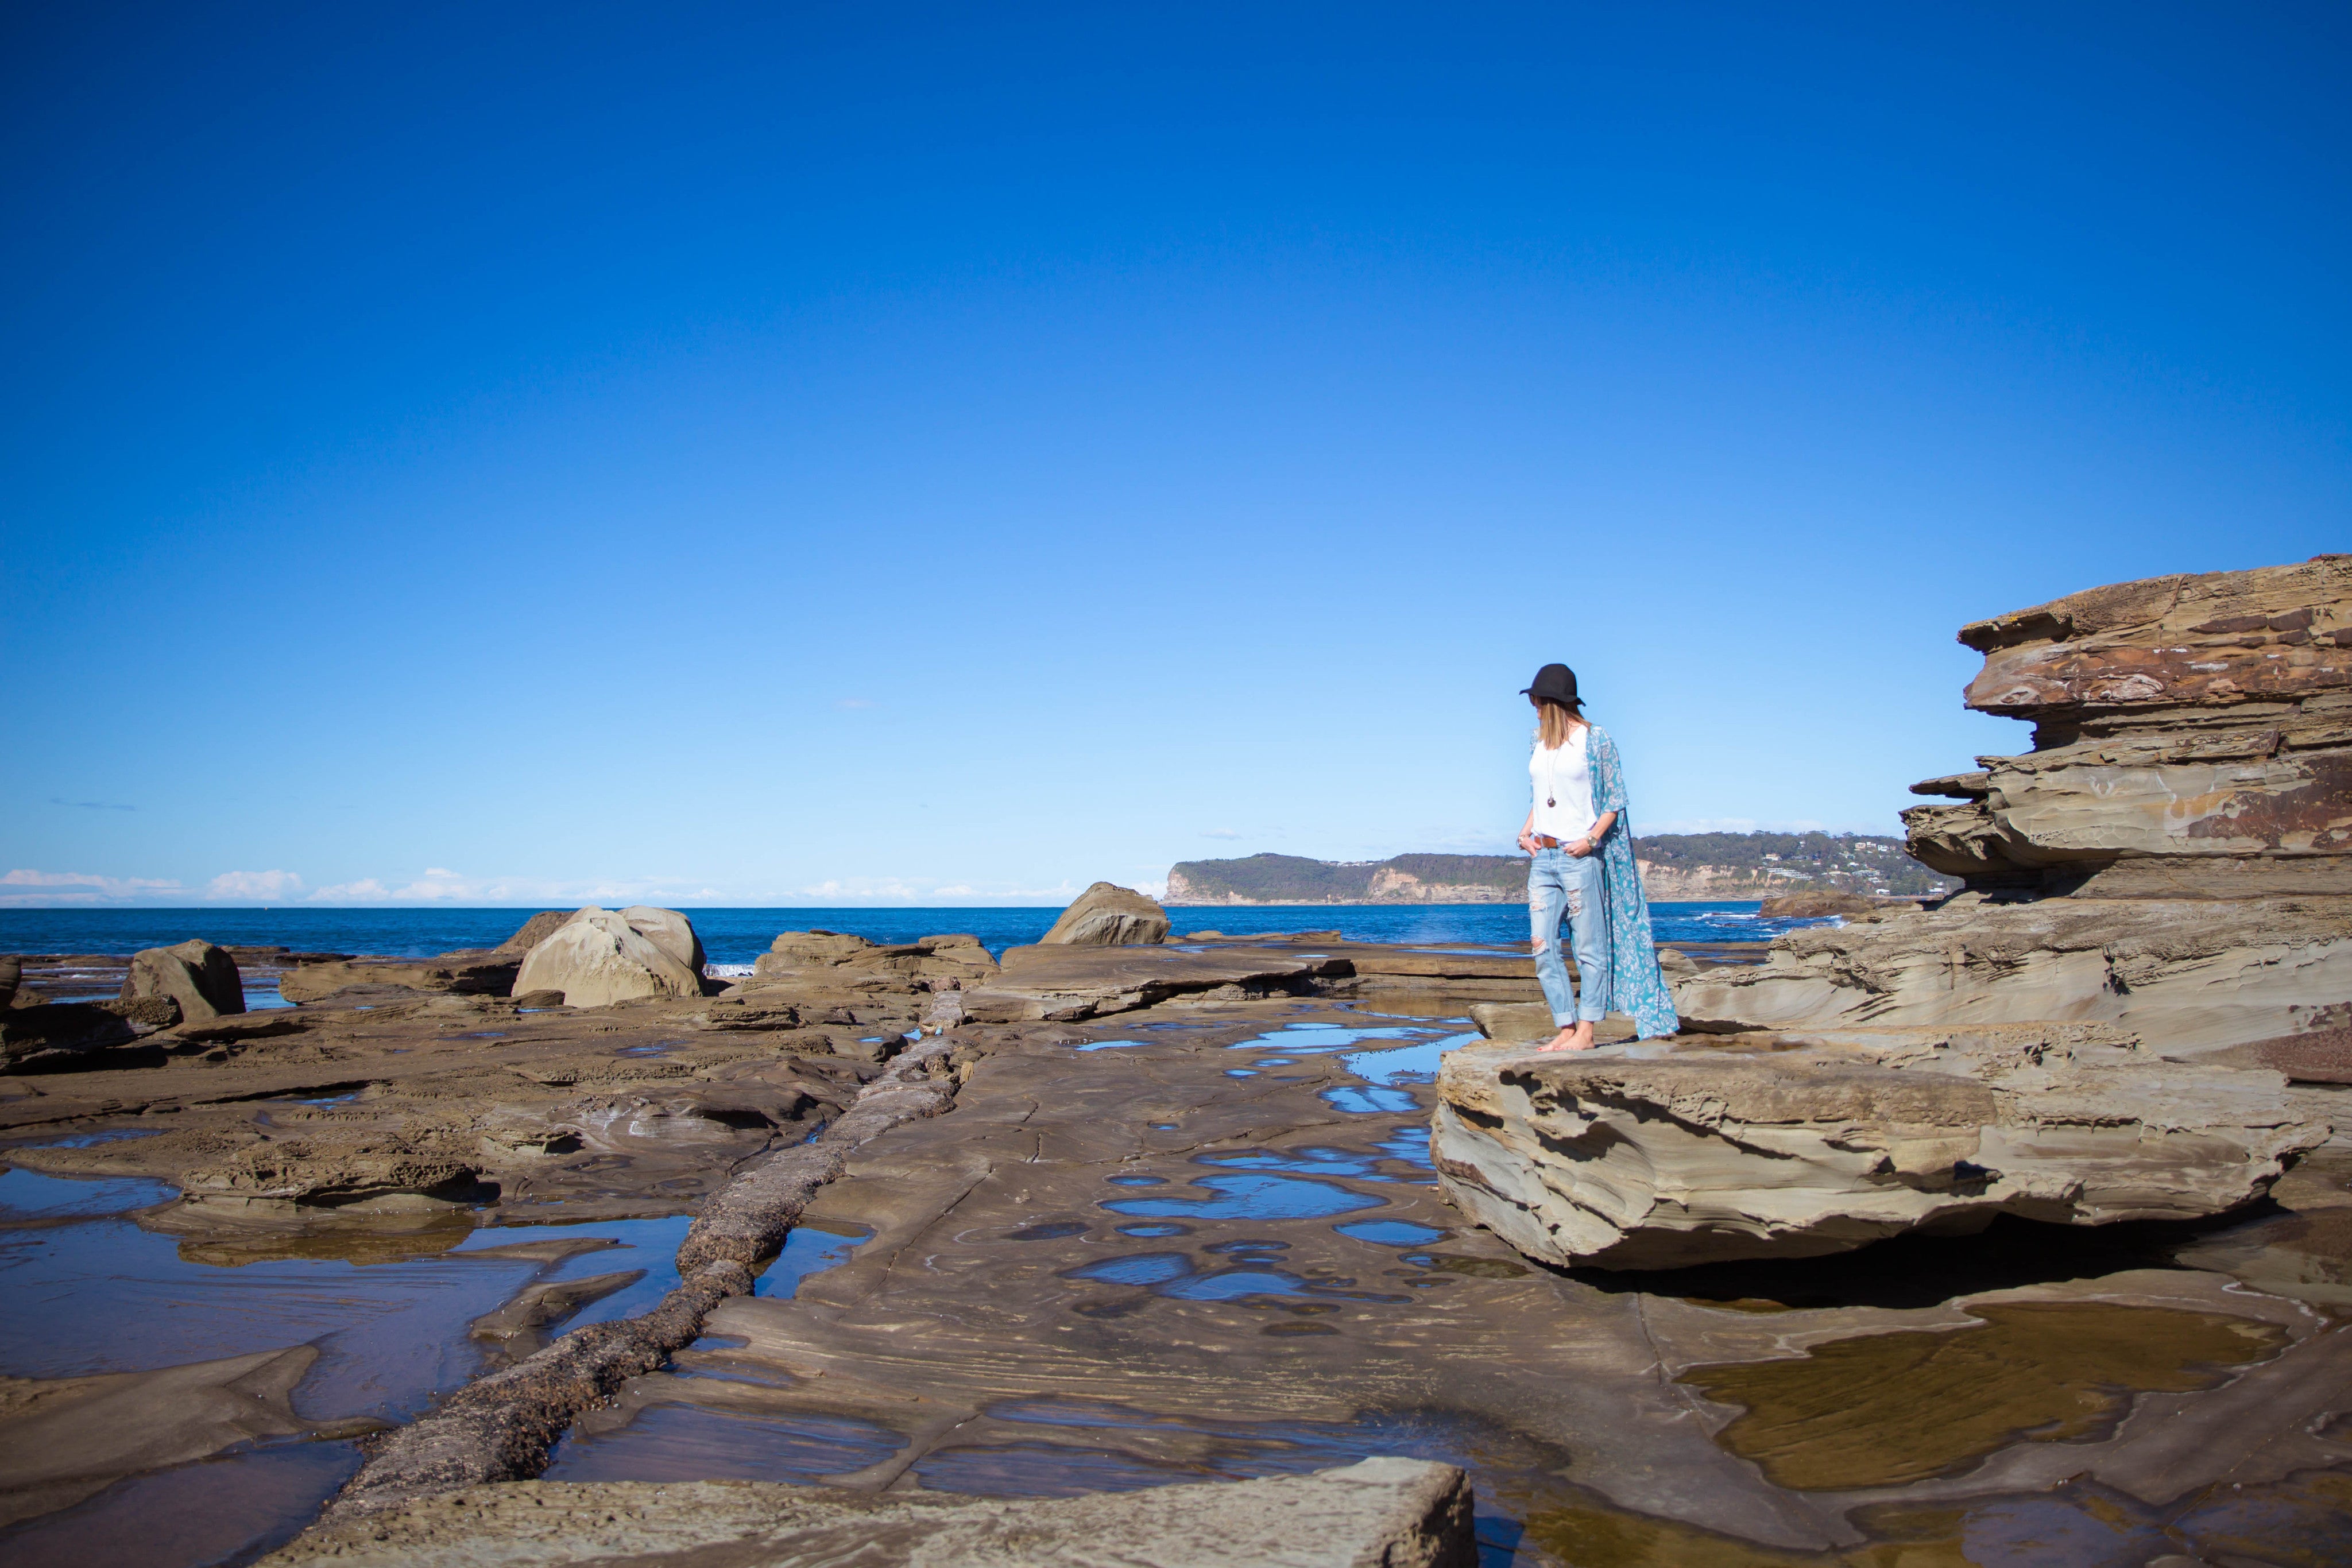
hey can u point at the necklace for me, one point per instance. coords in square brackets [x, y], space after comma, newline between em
[1551, 775]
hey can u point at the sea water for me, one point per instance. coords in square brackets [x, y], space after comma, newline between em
[736, 936]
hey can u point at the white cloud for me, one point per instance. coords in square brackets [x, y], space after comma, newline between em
[1220, 834]
[254, 885]
[27, 888]
[439, 885]
[857, 891]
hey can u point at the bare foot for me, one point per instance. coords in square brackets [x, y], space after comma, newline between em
[1575, 1036]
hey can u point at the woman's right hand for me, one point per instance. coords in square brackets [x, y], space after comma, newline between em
[1526, 843]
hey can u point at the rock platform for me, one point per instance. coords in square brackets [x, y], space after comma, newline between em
[1378, 1513]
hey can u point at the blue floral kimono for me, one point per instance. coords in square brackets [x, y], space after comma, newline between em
[1636, 987]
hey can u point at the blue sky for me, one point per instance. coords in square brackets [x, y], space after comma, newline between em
[745, 455]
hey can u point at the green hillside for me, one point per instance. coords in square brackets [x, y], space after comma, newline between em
[1727, 865]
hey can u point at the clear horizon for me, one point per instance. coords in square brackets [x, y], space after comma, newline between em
[757, 458]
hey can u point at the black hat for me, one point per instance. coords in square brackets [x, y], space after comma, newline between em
[1553, 684]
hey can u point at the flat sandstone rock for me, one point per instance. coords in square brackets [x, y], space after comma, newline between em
[1699, 1150]
[1390, 1512]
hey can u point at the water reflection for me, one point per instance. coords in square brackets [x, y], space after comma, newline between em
[1253, 1196]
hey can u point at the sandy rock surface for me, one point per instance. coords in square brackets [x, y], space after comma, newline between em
[1379, 1513]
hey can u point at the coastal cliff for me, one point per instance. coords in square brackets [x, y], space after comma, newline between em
[1676, 868]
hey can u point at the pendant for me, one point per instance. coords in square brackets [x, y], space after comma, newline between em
[1550, 802]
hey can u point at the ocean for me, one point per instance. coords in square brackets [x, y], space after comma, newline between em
[738, 936]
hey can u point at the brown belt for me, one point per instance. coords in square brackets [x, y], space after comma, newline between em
[1548, 842]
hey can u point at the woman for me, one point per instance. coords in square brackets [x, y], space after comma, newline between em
[1583, 850]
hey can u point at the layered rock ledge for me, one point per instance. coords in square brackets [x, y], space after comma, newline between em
[2174, 854]
[1696, 1151]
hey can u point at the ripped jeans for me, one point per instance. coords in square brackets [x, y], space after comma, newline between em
[1557, 880]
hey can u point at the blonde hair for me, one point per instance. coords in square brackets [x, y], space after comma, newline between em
[1557, 721]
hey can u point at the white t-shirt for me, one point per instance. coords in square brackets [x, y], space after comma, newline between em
[1563, 778]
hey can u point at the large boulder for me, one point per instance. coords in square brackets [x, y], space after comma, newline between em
[1107, 915]
[12, 972]
[1660, 1156]
[600, 957]
[198, 979]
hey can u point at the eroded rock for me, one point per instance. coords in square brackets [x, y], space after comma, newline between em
[830, 959]
[1658, 1156]
[2174, 854]
[200, 979]
[328, 1169]
[2189, 976]
[1108, 916]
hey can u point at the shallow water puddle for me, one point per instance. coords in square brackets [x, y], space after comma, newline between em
[1390, 1232]
[1045, 1469]
[88, 1140]
[221, 1511]
[1884, 1409]
[1310, 1160]
[1252, 1197]
[677, 1441]
[809, 1249]
[84, 1289]
[2303, 1521]
[1410, 1144]
[1371, 1102]
[1173, 1274]
[1317, 1039]
[695, 1443]
[26, 1195]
